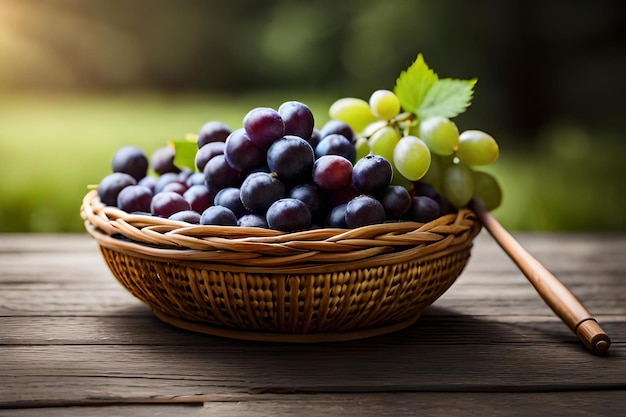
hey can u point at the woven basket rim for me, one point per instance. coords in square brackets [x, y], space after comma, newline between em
[251, 247]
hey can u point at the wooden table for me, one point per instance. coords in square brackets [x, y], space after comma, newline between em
[74, 343]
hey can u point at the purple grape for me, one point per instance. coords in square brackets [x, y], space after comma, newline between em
[165, 204]
[219, 174]
[364, 210]
[288, 215]
[336, 144]
[259, 190]
[424, 189]
[213, 131]
[111, 185]
[130, 160]
[291, 158]
[263, 126]
[163, 180]
[134, 198]
[372, 174]
[197, 178]
[241, 153]
[184, 174]
[252, 220]
[396, 200]
[337, 217]
[149, 181]
[176, 186]
[207, 152]
[219, 216]
[315, 138]
[309, 194]
[423, 209]
[199, 197]
[337, 126]
[230, 197]
[298, 119]
[187, 216]
[162, 160]
[332, 172]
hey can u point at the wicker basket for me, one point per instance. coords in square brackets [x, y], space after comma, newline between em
[259, 284]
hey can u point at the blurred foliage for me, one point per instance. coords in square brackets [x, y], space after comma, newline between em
[80, 78]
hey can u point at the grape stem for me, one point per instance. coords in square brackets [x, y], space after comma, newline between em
[556, 295]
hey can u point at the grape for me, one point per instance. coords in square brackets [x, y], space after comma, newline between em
[384, 141]
[230, 197]
[411, 157]
[424, 209]
[111, 185]
[337, 216]
[219, 174]
[207, 152]
[263, 126]
[164, 204]
[130, 160]
[353, 111]
[241, 153]
[340, 195]
[259, 190]
[384, 104]
[332, 172]
[198, 197]
[362, 148]
[336, 144]
[396, 201]
[298, 119]
[477, 148]
[457, 184]
[213, 131]
[162, 160]
[309, 194]
[187, 216]
[175, 186]
[372, 174]
[219, 216]
[134, 198]
[487, 189]
[440, 134]
[315, 138]
[291, 158]
[424, 189]
[288, 215]
[252, 220]
[364, 210]
[149, 182]
[163, 180]
[337, 126]
[197, 178]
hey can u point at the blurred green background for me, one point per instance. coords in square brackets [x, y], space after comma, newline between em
[79, 79]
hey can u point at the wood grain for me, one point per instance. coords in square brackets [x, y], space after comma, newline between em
[72, 338]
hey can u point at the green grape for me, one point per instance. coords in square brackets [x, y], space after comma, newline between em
[384, 141]
[411, 157]
[477, 148]
[399, 179]
[487, 189]
[384, 104]
[457, 184]
[362, 148]
[438, 164]
[440, 134]
[353, 111]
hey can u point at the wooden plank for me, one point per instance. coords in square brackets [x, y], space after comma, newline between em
[47, 374]
[591, 404]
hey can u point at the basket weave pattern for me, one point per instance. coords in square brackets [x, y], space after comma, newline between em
[252, 283]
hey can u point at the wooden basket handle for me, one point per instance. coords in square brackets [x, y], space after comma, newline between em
[556, 295]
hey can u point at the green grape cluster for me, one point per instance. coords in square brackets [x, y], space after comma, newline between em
[431, 150]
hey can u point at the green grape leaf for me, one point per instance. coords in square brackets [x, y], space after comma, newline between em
[447, 98]
[413, 84]
[423, 93]
[184, 152]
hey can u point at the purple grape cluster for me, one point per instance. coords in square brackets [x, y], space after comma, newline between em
[276, 171]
